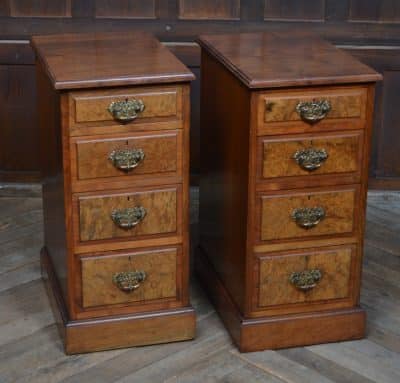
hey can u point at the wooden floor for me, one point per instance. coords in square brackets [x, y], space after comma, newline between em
[31, 351]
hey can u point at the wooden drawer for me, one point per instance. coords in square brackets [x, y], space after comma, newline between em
[129, 277]
[89, 110]
[129, 215]
[307, 213]
[278, 111]
[309, 276]
[136, 156]
[306, 156]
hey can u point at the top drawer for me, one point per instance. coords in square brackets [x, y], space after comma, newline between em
[306, 110]
[121, 110]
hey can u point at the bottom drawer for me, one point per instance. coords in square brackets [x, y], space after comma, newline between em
[315, 276]
[128, 277]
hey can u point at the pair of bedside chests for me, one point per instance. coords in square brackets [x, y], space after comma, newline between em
[285, 136]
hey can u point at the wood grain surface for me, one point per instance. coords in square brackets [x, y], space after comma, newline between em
[95, 221]
[275, 271]
[162, 155]
[344, 152]
[276, 213]
[345, 103]
[160, 268]
[95, 59]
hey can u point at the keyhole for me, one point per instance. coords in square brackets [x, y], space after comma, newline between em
[309, 197]
[127, 142]
[128, 198]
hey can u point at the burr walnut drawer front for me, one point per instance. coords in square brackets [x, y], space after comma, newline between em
[290, 156]
[317, 275]
[126, 109]
[307, 213]
[129, 277]
[308, 110]
[139, 155]
[129, 215]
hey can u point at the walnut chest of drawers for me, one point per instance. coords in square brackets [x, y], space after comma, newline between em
[286, 124]
[114, 117]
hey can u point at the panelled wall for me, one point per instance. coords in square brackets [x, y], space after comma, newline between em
[369, 29]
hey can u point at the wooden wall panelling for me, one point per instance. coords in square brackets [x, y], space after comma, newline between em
[375, 11]
[19, 141]
[385, 161]
[40, 8]
[294, 10]
[209, 9]
[144, 9]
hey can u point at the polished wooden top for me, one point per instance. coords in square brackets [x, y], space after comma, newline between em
[289, 58]
[107, 59]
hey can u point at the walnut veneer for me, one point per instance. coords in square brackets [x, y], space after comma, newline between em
[115, 191]
[286, 124]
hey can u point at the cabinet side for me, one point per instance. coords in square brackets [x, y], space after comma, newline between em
[51, 158]
[225, 114]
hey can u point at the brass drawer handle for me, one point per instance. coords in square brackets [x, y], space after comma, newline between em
[310, 159]
[129, 281]
[313, 111]
[308, 217]
[128, 218]
[126, 159]
[126, 110]
[305, 280]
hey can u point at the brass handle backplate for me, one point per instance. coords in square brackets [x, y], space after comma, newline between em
[126, 110]
[129, 281]
[308, 217]
[126, 159]
[305, 280]
[313, 111]
[128, 218]
[310, 159]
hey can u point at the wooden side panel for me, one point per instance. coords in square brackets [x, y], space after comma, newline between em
[95, 222]
[294, 10]
[40, 8]
[276, 213]
[209, 9]
[224, 175]
[375, 11]
[344, 153]
[97, 277]
[162, 154]
[275, 271]
[126, 9]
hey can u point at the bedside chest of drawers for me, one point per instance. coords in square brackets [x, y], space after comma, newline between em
[114, 117]
[286, 122]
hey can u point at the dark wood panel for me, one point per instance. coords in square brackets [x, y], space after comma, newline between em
[389, 158]
[40, 8]
[385, 161]
[295, 9]
[19, 139]
[126, 9]
[209, 9]
[375, 10]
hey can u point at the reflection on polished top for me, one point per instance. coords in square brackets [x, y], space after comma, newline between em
[108, 59]
[289, 58]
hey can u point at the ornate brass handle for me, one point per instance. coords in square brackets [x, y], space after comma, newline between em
[313, 111]
[126, 110]
[128, 281]
[126, 159]
[308, 217]
[305, 280]
[310, 159]
[128, 218]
